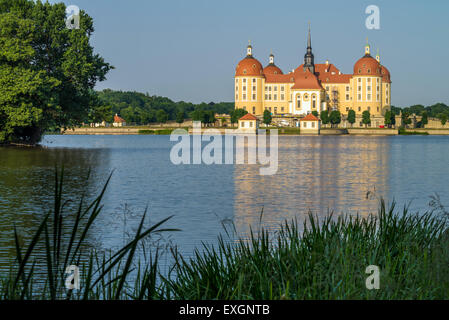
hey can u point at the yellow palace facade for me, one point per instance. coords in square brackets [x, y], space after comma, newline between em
[312, 87]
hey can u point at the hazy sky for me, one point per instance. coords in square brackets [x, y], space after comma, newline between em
[188, 50]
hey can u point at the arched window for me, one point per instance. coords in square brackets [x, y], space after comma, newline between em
[298, 98]
[314, 101]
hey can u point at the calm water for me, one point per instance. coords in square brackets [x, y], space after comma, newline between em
[315, 173]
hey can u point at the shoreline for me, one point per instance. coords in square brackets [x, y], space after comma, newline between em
[281, 131]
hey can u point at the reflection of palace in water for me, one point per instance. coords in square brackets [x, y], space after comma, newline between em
[340, 174]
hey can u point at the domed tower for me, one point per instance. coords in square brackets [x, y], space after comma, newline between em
[367, 85]
[249, 81]
[271, 68]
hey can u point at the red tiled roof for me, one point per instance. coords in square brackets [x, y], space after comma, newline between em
[368, 66]
[279, 78]
[385, 74]
[248, 116]
[118, 119]
[306, 80]
[310, 117]
[329, 73]
[272, 69]
[249, 66]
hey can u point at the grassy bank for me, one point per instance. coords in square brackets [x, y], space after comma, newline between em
[323, 259]
[404, 132]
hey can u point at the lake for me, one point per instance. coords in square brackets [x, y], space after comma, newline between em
[344, 174]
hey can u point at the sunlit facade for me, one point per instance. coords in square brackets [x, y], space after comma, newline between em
[312, 87]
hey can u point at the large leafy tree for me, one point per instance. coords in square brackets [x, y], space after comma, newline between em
[47, 71]
[267, 118]
[351, 117]
[335, 118]
[324, 117]
[366, 118]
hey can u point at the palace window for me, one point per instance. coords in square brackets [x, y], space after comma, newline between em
[244, 80]
[236, 97]
[254, 80]
[368, 97]
[360, 80]
[275, 110]
[269, 97]
[369, 79]
[282, 97]
[299, 102]
[254, 111]
[266, 96]
[347, 88]
[244, 88]
[244, 96]
[282, 109]
[314, 101]
[282, 88]
[369, 88]
[360, 109]
[254, 97]
[360, 97]
[275, 88]
[347, 97]
[254, 88]
[275, 97]
[360, 88]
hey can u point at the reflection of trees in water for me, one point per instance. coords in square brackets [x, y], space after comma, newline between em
[317, 174]
[27, 184]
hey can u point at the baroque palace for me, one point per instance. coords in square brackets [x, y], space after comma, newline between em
[312, 87]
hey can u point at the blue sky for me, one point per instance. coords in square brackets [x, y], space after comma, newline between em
[188, 50]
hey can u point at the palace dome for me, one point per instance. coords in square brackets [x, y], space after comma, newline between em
[385, 74]
[249, 66]
[367, 66]
[272, 69]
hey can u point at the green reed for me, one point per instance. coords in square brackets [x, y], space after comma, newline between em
[321, 259]
[103, 275]
[325, 260]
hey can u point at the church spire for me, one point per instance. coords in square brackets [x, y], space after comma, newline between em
[308, 58]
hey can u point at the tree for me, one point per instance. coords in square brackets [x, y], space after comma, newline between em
[315, 113]
[237, 114]
[351, 117]
[180, 117]
[47, 72]
[406, 118]
[335, 118]
[267, 118]
[324, 117]
[424, 119]
[443, 118]
[387, 118]
[366, 118]
[161, 116]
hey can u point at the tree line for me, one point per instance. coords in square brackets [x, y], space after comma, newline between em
[140, 108]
